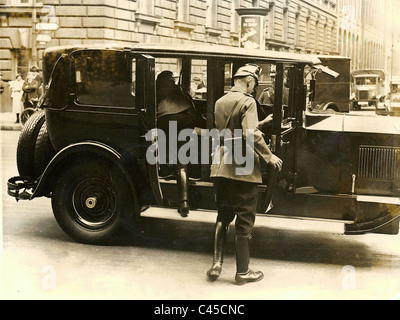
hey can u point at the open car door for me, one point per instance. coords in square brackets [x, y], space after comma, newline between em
[285, 125]
[146, 101]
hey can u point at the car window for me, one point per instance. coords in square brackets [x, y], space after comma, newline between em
[133, 79]
[228, 77]
[198, 83]
[169, 64]
[366, 81]
[103, 78]
[266, 84]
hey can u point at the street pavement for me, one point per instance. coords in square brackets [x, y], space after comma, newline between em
[7, 122]
[169, 257]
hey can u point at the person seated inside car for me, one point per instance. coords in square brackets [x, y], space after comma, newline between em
[174, 105]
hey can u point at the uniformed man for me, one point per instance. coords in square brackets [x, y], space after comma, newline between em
[268, 94]
[237, 194]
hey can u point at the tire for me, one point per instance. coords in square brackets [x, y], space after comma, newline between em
[44, 150]
[92, 202]
[26, 114]
[26, 145]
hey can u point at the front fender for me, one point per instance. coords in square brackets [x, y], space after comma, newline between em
[75, 152]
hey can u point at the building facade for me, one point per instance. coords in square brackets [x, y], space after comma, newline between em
[365, 32]
[306, 26]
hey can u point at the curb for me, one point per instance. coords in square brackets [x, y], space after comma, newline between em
[11, 127]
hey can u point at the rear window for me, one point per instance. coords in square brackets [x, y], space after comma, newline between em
[104, 78]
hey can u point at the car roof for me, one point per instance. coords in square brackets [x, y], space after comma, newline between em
[209, 50]
[368, 73]
[229, 52]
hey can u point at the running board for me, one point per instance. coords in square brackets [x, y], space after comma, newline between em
[378, 199]
[262, 220]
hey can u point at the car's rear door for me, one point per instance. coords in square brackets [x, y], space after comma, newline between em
[146, 101]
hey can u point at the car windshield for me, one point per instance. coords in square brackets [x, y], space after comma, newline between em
[366, 81]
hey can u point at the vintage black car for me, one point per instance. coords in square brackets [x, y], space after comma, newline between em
[87, 149]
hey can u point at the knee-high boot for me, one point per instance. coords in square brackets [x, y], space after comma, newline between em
[243, 273]
[182, 182]
[221, 232]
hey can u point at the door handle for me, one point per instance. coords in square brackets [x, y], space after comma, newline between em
[284, 143]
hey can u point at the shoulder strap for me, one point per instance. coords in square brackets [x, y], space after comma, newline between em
[233, 110]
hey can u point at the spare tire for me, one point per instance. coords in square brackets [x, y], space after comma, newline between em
[26, 145]
[44, 150]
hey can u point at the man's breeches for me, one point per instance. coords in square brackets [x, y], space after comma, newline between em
[237, 198]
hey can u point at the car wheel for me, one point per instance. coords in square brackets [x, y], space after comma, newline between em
[92, 202]
[26, 145]
[44, 150]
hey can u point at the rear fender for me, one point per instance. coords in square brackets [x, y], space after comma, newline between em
[75, 152]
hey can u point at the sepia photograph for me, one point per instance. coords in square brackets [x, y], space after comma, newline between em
[199, 155]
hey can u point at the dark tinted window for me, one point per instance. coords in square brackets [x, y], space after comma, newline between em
[104, 78]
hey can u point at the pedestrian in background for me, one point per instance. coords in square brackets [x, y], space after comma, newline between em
[197, 88]
[237, 195]
[31, 87]
[16, 95]
[1, 83]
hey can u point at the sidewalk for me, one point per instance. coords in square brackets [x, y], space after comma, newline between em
[7, 121]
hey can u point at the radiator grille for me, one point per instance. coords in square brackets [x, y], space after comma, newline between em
[363, 94]
[379, 163]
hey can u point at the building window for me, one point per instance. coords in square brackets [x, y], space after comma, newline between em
[328, 38]
[271, 21]
[183, 12]
[22, 59]
[333, 39]
[286, 24]
[297, 29]
[235, 4]
[146, 6]
[211, 13]
[308, 30]
[23, 2]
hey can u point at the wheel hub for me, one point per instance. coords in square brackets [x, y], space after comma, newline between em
[91, 202]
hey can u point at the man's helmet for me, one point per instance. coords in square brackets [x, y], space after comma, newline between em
[249, 70]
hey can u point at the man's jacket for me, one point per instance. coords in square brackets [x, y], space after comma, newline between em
[238, 110]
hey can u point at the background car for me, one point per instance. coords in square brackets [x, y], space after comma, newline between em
[368, 88]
